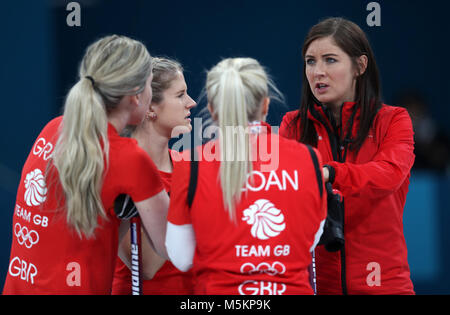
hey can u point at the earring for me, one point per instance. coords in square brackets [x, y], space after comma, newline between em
[151, 116]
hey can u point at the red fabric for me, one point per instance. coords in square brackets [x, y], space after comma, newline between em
[167, 280]
[374, 184]
[47, 256]
[270, 256]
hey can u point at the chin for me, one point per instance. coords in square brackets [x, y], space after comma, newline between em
[320, 98]
[325, 100]
[179, 130]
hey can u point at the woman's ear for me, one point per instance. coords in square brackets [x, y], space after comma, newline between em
[133, 100]
[151, 113]
[362, 64]
[151, 108]
[211, 111]
[265, 106]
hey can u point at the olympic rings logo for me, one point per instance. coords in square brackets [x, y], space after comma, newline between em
[25, 237]
[272, 270]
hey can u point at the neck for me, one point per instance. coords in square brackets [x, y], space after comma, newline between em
[336, 111]
[156, 146]
[118, 120]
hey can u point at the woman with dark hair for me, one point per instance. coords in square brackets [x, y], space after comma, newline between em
[368, 150]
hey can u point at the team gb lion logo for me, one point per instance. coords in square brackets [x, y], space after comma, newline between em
[266, 220]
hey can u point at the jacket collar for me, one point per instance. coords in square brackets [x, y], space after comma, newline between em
[256, 127]
[321, 114]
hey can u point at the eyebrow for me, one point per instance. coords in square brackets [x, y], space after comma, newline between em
[325, 55]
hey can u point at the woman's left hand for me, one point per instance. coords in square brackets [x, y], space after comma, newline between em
[326, 174]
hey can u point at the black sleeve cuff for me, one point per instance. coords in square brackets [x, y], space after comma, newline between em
[331, 172]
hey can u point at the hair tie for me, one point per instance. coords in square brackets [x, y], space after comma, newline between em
[91, 79]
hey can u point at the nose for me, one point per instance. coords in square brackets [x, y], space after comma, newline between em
[191, 103]
[319, 69]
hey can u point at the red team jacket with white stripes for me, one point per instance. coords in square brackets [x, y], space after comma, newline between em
[374, 183]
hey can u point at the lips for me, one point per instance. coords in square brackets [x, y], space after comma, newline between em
[321, 87]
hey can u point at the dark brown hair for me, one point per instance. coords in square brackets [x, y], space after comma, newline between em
[353, 41]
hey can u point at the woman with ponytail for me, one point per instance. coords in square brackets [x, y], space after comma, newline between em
[234, 220]
[66, 232]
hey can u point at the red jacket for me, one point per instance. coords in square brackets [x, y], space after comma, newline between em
[47, 255]
[374, 183]
[266, 251]
[168, 280]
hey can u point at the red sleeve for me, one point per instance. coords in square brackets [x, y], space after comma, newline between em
[287, 127]
[388, 169]
[141, 177]
[179, 212]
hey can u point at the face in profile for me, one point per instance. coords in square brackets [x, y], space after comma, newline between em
[330, 72]
[174, 111]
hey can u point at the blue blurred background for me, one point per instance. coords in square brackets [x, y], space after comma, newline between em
[40, 54]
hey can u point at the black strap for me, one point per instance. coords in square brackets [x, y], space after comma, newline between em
[317, 168]
[331, 135]
[193, 177]
[348, 137]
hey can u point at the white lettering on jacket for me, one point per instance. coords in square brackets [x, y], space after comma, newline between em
[43, 149]
[20, 268]
[257, 181]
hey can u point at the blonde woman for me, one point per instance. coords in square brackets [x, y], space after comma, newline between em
[243, 233]
[168, 116]
[65, 230]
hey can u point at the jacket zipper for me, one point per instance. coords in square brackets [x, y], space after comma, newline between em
[343, 145]
[336, 147]
[343, 266]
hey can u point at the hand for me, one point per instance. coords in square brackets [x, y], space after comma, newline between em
[124, 207]
[326, 174]
[333, 230]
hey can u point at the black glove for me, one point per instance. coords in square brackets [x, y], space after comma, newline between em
[124, 207]
[333, 230]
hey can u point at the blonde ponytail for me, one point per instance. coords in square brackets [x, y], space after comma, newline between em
[236, 88]
[235, 149]
[112, 67]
